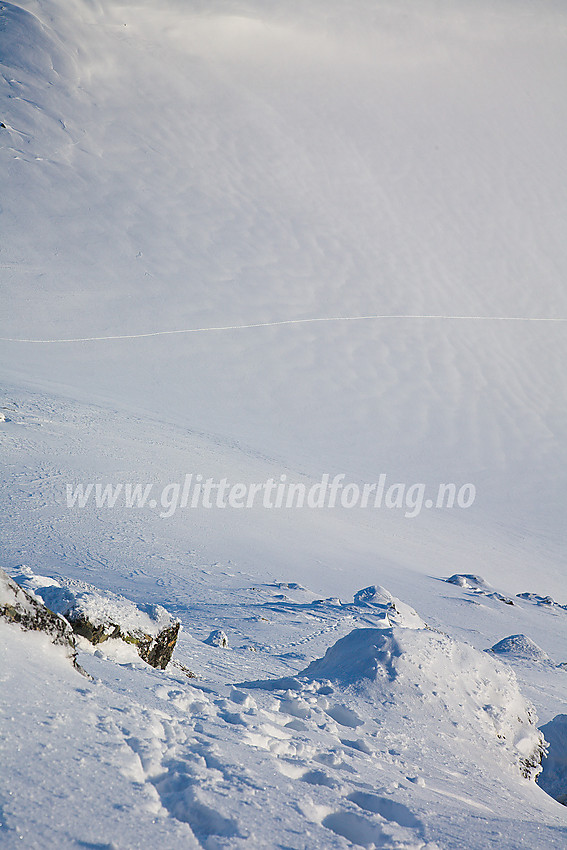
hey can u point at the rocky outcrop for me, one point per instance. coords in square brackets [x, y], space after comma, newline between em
[99, 615]
[391, 610]
[478, 586]
[156, 650]
[18, 606]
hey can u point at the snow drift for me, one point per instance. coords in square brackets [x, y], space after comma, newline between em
[520, 646]
[424, 680]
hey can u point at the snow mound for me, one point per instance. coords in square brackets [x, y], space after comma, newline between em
[520, 646]
[468, 581]
[424, 674]
[393, 610]
[291, 585]
[553, 778]
[362, 654]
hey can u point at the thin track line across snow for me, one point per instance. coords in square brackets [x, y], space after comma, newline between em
[287, 322]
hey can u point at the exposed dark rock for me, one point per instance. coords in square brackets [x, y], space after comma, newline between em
[18, 606]
[95, 634]
[157, 651]
[184, 669]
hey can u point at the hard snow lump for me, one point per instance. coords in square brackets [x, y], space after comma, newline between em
[520, 646]
[217, 638]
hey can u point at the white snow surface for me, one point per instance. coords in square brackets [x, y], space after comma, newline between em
[205, 210]
[520, 646]
[397, 738]
[10, 596]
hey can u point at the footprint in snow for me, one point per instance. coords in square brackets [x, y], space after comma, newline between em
[386, 808]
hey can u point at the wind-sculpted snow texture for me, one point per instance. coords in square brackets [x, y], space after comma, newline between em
[177, 166]
[274, 242]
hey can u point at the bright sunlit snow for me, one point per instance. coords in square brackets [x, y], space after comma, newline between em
[320, 245]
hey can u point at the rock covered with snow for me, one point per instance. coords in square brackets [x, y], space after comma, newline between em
[17, 606]
[393, 610]
[468, 581]
[520, 646]
[547, 601]
[217, 638]
[101, 615]
[477, 585]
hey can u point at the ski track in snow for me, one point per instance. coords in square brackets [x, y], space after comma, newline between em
[340, 164]
[289, 322]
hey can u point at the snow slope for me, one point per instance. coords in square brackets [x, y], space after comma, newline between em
[420, 746]
[188, 189]
[188, 166]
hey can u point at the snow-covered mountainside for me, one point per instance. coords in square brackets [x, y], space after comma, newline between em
[398, 737]
[289, 247]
